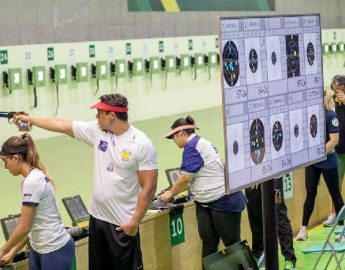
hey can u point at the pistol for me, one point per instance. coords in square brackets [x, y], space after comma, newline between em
[22, 126]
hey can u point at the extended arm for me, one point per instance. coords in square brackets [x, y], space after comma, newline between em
[51, 123]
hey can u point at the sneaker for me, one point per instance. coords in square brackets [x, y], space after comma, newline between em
[302, 234]
[329, 222]
[289, 265]
[340, 239]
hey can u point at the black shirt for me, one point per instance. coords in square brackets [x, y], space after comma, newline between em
[340, 110]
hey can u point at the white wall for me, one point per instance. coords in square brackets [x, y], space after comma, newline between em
[333, 62]
[148, 98]
[161, 95]
[45, 21]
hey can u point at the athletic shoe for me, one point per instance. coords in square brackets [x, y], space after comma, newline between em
[329, 222]
[289, 265]
[302, 234]
[340, 238]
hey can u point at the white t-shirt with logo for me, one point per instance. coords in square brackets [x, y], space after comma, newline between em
[48, 233]
[202, 160]
[117, 160]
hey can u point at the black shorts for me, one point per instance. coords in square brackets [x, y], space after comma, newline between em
[112, 249]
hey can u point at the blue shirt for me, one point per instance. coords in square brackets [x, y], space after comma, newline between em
[332, 126]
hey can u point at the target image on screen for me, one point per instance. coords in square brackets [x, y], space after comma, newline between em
[253, 66]
[272, 90]
[231, 68]
[274, 58]
[253, 60]
[310, 54]
[273, 50]
[277, 136]
[257, 141]
[296, 131]
[292, 54]
[236, 147]
[313, 125]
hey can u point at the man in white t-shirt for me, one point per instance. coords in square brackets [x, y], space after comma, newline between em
[125, 180]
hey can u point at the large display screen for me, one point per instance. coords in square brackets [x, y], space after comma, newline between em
[272, 85]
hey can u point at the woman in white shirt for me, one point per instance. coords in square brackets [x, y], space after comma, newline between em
[51, 247]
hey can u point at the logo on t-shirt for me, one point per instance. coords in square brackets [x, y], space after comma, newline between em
[335, 122]
[126, 155]
[26, 197]
[103, 146]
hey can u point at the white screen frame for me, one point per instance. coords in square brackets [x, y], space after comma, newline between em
[247, 101]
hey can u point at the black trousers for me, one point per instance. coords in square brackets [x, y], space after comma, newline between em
[111, 249]
[214, 225]
[312, 178]
[285, 234]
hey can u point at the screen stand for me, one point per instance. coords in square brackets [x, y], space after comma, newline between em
[269, 211]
